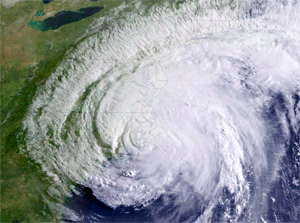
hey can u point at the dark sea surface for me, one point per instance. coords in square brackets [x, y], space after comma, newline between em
[47, 1]
[64, 17]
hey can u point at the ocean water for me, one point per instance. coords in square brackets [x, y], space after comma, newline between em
[183, 112]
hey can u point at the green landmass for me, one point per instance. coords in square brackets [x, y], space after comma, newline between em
[28, 57]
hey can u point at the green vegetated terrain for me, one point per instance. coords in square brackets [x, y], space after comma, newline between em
[28, 57]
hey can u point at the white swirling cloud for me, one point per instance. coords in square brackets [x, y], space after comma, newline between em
[177, 99]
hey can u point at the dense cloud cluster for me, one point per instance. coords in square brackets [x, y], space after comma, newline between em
[182, 114]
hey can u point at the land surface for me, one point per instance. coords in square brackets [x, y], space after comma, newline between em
[28, 57]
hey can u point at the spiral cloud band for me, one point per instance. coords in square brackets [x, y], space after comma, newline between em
[184, 114]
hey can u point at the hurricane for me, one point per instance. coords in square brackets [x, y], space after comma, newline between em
[187, 111]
